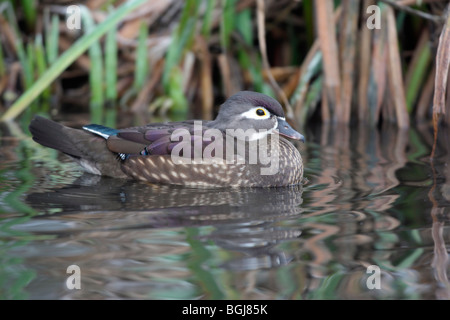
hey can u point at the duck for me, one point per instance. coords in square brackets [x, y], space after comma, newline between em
[246, 145]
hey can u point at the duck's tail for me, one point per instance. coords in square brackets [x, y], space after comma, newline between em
[54, 135]
[88, 149]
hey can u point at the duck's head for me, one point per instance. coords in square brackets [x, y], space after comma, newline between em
[251, 110]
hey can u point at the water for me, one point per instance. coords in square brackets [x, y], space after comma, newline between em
[373, 198]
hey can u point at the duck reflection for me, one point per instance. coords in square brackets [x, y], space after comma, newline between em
[246, 220]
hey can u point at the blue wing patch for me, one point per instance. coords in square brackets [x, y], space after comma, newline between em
[100, 130]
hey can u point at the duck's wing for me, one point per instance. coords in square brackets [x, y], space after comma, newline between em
[158, 139]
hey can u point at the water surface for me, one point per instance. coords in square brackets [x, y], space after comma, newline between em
[372, 198]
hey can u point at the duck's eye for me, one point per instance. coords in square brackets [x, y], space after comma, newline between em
[260, 112]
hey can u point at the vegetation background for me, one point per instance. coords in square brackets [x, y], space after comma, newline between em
[159, 59]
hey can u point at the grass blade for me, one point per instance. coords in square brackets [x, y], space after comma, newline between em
[96, 70]
[2, 63]
[141, 69]
[181, 41]
[227, 22]
[207, 18]
[111, 66]
[52, 35]
[41, 66]
[417, 70]
[29, 12]
[111, 77]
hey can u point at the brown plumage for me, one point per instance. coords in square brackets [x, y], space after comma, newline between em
[260, 157]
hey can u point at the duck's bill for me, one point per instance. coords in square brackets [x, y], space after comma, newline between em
[287, 131]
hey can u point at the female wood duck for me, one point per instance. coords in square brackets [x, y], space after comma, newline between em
[242, 147]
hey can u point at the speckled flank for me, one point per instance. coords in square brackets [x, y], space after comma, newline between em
[161, 169]
[194, 174]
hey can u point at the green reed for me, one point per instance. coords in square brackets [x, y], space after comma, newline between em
[96, 70]
[52, 36]
[227, 22]
[41, 67]
[419, 74]
[2, 63]
[68, 57]
[29, 12]
[111, 77]
[248, 58]
[207, 18]
[111, 66]
[182, 39]
[141, 69]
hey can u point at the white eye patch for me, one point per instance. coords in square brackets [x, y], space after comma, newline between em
[256, 113]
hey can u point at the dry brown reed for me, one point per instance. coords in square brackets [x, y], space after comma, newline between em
[393, 72]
